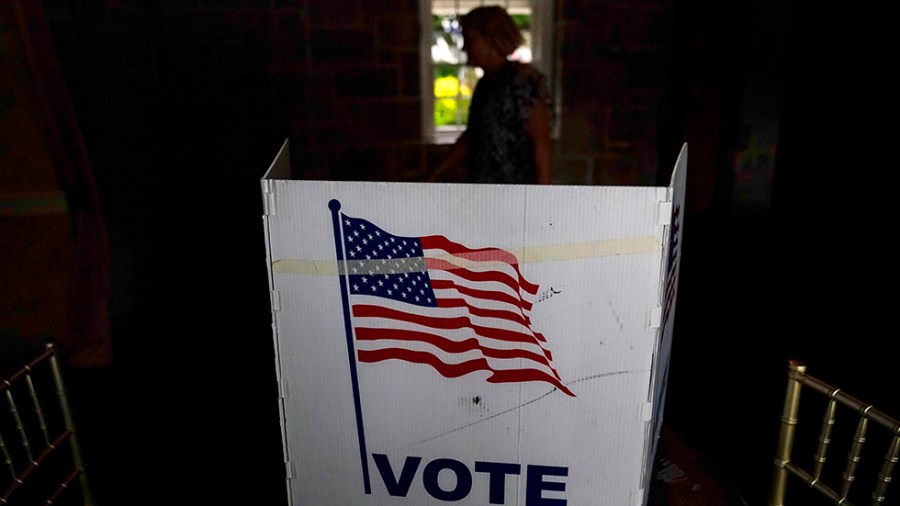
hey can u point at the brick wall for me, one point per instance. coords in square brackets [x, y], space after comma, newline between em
[341, 80]
[184, 103]
[612, 65]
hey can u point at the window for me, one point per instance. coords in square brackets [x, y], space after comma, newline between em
[447, 82]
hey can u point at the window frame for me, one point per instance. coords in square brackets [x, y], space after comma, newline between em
[541, 58]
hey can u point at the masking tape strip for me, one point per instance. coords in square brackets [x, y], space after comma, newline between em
[535, 254]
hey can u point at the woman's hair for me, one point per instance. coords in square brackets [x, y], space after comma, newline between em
[496, 25]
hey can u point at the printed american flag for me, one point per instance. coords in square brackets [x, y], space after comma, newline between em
[429, 300]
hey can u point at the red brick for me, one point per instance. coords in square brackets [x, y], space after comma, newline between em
[343, 46]
[398, 32]
[392, 121]
[367, 82]
[336, 12]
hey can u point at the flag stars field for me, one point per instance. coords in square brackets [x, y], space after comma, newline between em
[441, 304]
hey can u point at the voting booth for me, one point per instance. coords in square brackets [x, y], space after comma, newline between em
[476, 344]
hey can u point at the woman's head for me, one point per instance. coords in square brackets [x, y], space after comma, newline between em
[495, 26]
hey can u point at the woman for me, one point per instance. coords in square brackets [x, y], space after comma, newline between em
[507, 140]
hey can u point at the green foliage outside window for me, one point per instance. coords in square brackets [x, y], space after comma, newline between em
[451, 102]
[523, 21]
[451, 97]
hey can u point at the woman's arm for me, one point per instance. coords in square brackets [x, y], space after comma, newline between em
[538, 129]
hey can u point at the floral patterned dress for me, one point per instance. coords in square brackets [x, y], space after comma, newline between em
[500, 149]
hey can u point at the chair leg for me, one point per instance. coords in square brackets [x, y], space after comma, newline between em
[887, 469]
[70, 424]
[786, 434]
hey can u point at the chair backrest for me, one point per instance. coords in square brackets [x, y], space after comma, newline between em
[815, 475]
[39, 449]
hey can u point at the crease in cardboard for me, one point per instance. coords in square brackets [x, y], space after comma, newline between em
[665, 213]
[646, 411]
[519, 431]
[275, 295]
[637, 497]
[268, 191]
[655, 317]
[289, 469]
[268, 198]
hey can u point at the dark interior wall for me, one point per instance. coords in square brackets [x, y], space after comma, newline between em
[184, 103]
[834, 198]
[612, 59]
[726, 384]
[802, 276]
[179, 129]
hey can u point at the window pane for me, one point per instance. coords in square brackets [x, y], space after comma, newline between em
[463, 6]
[454, 82]
[446, 90]
[453, 86]
[446, 40]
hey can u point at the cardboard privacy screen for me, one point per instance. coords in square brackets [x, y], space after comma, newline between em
[478, 344]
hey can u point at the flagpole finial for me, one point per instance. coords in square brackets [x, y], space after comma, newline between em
[334, 205]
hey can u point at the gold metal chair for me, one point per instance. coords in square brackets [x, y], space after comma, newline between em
[38, 445]
[785, 466]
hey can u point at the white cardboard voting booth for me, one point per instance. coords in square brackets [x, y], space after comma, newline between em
[477, 344]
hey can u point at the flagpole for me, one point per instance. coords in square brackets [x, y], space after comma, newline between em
[335, 207]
